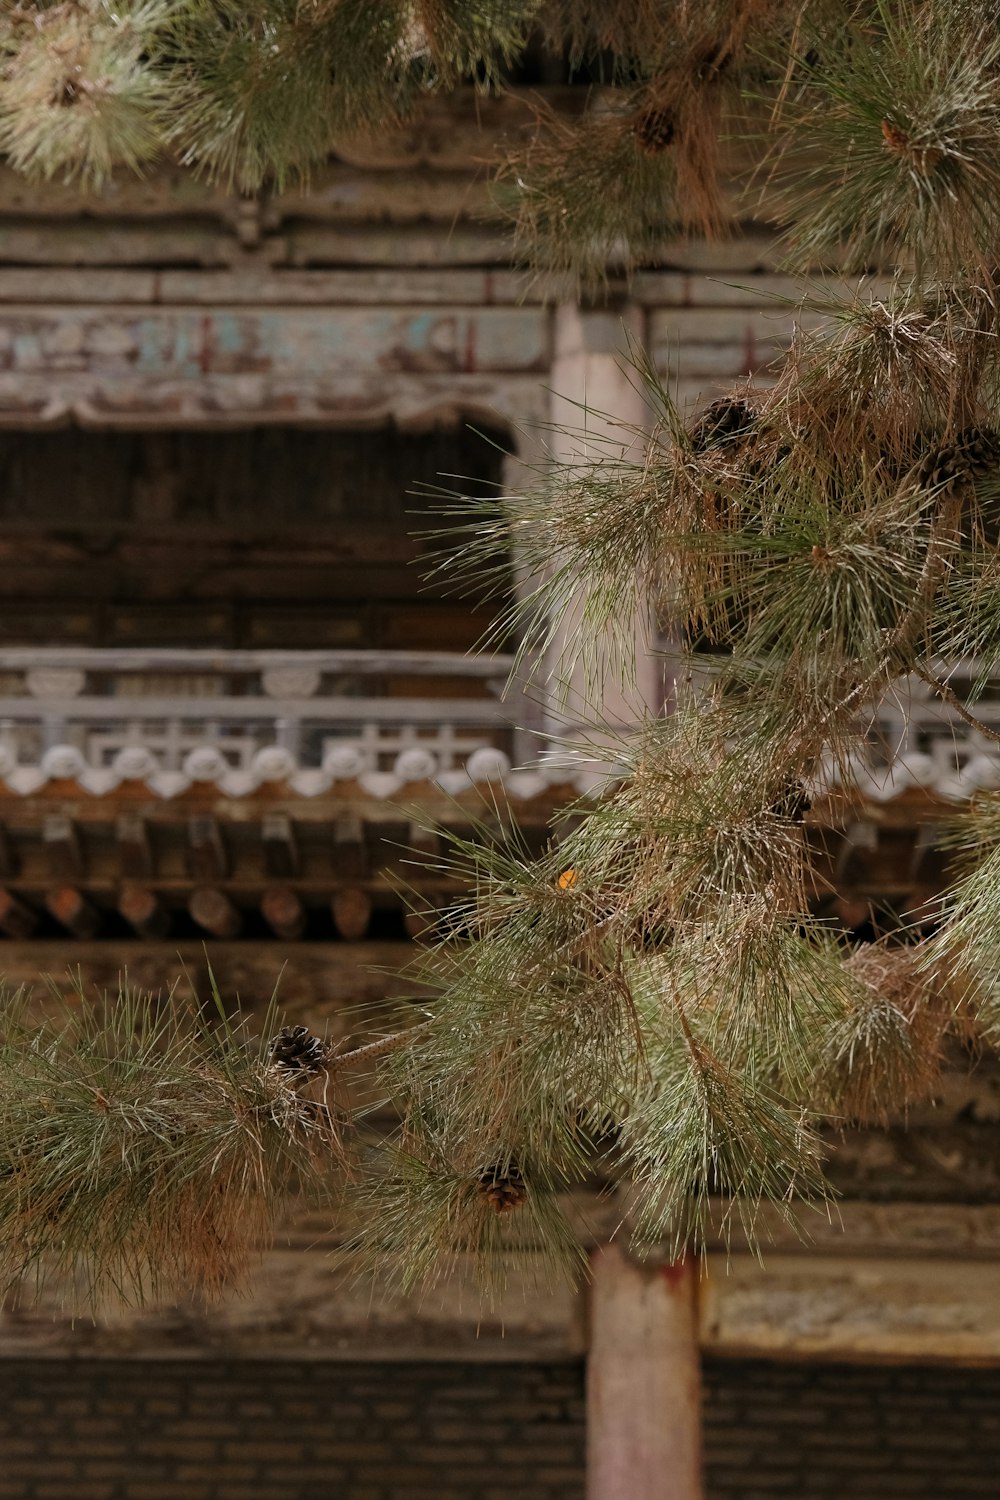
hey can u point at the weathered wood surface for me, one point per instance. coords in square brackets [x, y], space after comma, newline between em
[315, 1305]
[258, 284]
[301, 345]
[284, 912]
[72, 910]
[351, 909]
[17, 921]
[317, 983]
[306, 1301]
[213, 911]
[144, 912]
[852, 1308]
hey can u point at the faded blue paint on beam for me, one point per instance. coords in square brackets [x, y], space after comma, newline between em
[297, 343]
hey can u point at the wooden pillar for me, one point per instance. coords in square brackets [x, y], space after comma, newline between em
[643, 1381]
[599, 414]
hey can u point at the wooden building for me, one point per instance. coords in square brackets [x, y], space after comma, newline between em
[227, 701]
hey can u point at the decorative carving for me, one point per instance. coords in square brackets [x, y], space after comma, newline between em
[290, 682]
[55, 682]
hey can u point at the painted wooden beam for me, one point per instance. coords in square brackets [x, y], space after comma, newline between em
[134, 849]
[281, 852]
[207, 858]
[63, 851]
[904, 1308]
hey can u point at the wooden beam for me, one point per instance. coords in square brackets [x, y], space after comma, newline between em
[352, 910]
[350, 861]
[206, 856]
[325, 981]
[281, 853]
[897, 1306]
[73, 911]
[421, 909]
[17, 921]
[213, 911]
[183, 659]
[144, 911]
[63, 850]
[134, 848]
[283, 912]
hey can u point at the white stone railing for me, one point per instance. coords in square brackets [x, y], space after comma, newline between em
[238, 719]
[915, 740]
[309, 719]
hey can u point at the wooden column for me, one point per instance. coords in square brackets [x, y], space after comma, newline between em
[598, 412]
[643, 1381]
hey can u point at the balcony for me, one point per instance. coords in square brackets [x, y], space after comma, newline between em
[171, 721]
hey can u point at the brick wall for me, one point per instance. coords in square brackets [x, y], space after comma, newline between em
[839, 1432]
[103, 1430]
[182, 1431]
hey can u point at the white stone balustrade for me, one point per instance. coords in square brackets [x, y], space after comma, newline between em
[914, 740]
[172, 719]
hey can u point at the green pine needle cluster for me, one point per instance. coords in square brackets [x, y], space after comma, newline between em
[144, 1151]
[648, 1000]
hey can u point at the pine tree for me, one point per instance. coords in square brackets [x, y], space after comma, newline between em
[651, 991]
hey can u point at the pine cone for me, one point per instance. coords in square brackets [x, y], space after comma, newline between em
[503, 1188]
[977, 448]
[298, 1050]
[722, 423]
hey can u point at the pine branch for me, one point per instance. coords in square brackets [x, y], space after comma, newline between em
[949, 696]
